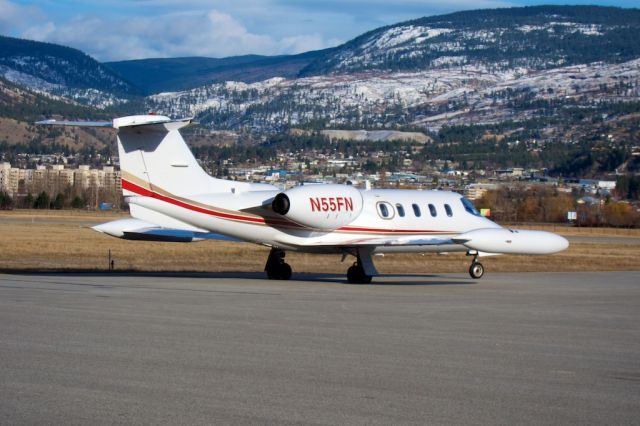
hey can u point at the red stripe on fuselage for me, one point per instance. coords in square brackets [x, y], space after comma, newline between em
[139, 190]
[146, 193]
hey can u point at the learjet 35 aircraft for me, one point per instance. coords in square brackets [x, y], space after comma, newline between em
[171, 198]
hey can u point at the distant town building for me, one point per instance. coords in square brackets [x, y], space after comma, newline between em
[475, 191]
[57, 178]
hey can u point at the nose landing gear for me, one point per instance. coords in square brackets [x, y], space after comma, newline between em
[476, 270]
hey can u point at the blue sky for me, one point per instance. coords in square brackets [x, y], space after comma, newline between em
[134, 29]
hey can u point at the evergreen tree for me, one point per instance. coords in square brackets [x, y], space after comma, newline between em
[42, 201]
[58, 203]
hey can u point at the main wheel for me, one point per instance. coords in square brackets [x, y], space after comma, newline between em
[284, 271]
[476, 270]
[356, 275]
[280, 271]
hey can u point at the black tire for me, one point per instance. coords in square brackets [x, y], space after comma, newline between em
[476, 270]
[356, 275]
[273, 273]
[281, 271]
[284, 272]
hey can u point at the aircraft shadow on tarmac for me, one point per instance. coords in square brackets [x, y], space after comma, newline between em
[328, 278]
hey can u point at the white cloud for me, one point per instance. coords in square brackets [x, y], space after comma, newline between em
[203, 33]
[14, 17]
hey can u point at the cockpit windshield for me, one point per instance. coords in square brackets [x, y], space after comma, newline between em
[468, 206]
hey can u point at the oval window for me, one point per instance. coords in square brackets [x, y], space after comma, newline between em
[400, 210]
[416, 210]
[385, 210]
[447, 209]
[432, 210]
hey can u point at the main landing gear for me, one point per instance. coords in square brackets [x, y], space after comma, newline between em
[357, 275]
[476, 270]
[276, 267]
[363, 268]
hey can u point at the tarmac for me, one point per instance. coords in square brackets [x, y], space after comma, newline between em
[512, 348]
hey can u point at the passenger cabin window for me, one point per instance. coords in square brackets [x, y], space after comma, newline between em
[400, 210]
[385, 210]
[468, 206]
[416, 210]
[447, 209]
[432, 210]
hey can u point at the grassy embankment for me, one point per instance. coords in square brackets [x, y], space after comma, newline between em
[61, 240]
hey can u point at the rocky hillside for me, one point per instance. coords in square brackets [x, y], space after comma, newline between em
[20, 108]
[429, 99]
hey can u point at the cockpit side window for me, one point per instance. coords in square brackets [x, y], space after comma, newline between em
[468, 206]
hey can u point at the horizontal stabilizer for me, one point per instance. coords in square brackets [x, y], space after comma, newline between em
[75, 123]
[150, 122]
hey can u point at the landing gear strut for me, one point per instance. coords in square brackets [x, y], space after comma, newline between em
[276, 267]
[476, 270]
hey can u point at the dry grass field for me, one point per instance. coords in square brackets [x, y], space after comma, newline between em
[62, 240]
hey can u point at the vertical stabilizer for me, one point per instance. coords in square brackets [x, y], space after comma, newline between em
[154, 156]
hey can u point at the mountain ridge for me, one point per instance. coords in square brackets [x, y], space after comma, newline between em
[155, 75]
[511, 34]
[444, 69]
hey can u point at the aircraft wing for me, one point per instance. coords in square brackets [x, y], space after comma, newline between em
[135, 229]
[174, 235]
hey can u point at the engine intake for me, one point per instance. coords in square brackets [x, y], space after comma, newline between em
[281, 204]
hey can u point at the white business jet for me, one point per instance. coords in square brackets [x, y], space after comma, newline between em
[171, 198]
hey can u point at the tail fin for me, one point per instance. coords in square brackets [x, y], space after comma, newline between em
[154, 156]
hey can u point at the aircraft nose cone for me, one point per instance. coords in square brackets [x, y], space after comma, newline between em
[548, 242]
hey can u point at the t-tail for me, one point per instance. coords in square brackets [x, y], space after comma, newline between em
[155, 161]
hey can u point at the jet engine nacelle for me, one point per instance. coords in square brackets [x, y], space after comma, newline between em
[322, 207]
[512, 241]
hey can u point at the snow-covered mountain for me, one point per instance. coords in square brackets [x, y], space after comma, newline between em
[462, 95]
[61, 72]
[468, 67]
[540, 37]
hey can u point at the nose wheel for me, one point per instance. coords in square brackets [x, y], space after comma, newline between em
[276, 268]
[476, 270]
